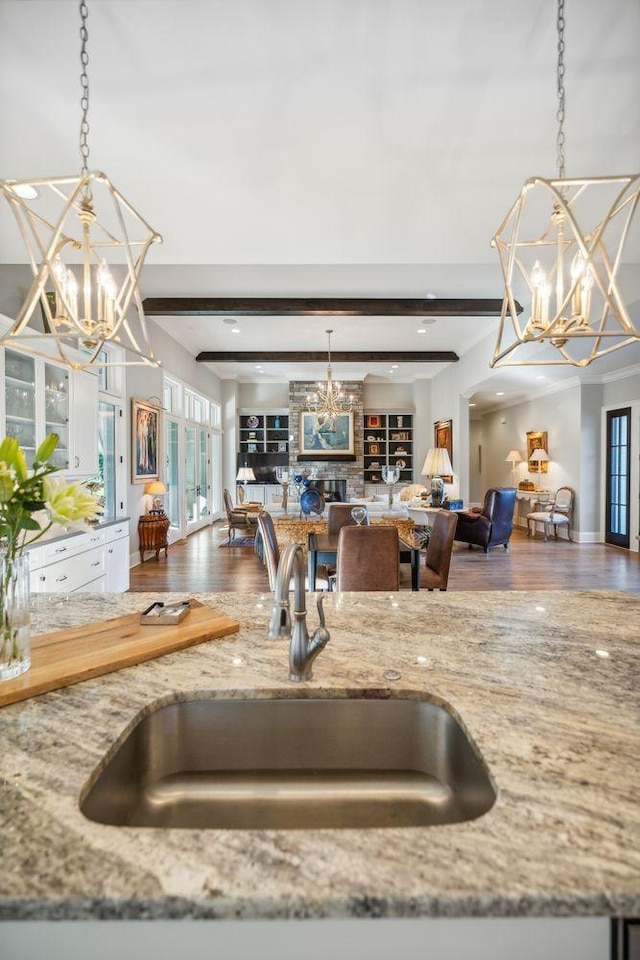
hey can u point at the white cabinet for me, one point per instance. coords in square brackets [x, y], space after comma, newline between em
[117, 557]
[40, 397]
[83, 460]
[92, 562]
[264, 493]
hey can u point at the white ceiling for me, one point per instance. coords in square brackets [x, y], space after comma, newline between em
[320, 147]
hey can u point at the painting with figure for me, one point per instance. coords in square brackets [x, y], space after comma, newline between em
[326, 435]
[145, 433]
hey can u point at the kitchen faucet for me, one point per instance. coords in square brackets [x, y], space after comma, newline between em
[302, 650]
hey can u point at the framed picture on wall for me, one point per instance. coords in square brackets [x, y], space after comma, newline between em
[537, 440]
[145, 441]
[331, 436]
[443, 437]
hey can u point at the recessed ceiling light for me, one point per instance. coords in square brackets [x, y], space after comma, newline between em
[394, 366]
[430, 296]
[421, 330]
[229, 320]
[258, 366]
[25, 190]
[472, 404]
[541, 377]
[235, 330]
[500, 393]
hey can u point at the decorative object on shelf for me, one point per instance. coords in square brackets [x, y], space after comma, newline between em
[401, 436]
[328, 403]
[399, 421]
[540, 459]
[145, 435]
[153, 530]
[329, 436]
[373, 420]
[359, 514]
[276, 423]
[565, 237]
[252, 423]
[156, 489]
[443, 437]
[374, 450]
[390, 475]
[80, 220]
[536, 439]
[513, 457]
[401, 465]
[23, 494]
[437, 465]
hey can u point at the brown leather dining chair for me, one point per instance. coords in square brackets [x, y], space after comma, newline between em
[435, 575]
[368, 558]
[339, 515]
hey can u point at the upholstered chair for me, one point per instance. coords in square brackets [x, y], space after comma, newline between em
[435, 575]
[489, 525]
[557, 514]
[339, 515]
[239, 517]
[368, 558]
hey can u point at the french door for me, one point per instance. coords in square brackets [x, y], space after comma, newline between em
[618, 477]
[197, 477]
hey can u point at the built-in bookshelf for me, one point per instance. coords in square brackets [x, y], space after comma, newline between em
[263, 433]
[388, 439]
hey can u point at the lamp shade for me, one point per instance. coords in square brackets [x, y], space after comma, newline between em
[539, 456]
[245, 475]
[514, 456]
[155, 488]
[437, 463]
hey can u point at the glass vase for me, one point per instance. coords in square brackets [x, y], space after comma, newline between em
[15, 632]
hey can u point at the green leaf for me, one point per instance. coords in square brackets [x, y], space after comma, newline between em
[27, 522]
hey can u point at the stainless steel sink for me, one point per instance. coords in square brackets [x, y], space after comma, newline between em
[292, 764]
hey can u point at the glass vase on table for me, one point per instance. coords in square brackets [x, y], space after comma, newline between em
[390, 475]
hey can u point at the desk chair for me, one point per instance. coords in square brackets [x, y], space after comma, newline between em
[368, 558]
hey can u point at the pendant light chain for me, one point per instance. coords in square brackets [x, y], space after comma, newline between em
[560, 90]
[84, 84]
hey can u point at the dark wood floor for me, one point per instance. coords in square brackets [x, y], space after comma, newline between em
[199, 564]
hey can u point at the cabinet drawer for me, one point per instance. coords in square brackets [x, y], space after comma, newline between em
[116, 531]
[70, 546]
[71, 573]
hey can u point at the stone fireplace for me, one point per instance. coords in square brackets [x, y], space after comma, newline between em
[351, 472]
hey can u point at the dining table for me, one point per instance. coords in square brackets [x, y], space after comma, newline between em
[322, 549]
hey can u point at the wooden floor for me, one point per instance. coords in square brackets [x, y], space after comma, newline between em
[199, 564]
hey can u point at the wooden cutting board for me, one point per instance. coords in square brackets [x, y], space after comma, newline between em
[80, 653]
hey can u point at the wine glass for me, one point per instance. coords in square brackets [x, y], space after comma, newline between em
[359, 514]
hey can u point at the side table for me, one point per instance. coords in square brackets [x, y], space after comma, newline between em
[152, 533]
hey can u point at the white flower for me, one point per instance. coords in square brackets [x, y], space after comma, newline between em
[68, 504]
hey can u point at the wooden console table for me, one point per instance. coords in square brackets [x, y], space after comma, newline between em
[153, 529]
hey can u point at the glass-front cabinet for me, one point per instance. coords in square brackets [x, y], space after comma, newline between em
[20, 401]
[56, 411]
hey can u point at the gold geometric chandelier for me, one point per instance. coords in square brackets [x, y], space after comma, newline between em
[564, 239]
[80, 234]
[329, 402]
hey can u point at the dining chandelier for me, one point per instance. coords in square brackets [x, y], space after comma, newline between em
[564, 238]
[329, 402]
[86, 247]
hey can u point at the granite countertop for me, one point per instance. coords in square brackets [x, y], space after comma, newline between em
[59, 533]
[555, 720]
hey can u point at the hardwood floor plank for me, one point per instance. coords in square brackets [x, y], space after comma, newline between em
[198, 564]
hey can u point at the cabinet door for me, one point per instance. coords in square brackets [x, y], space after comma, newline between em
[84, 424]
[117, 579]
[20, 401]
[56, 411]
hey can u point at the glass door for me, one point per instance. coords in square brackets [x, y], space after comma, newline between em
[172, 477]
[56, 411]
[20, 401]
[107, 457]
[197, 483]
[618, 485]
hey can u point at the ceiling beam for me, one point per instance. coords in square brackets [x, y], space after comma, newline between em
[320, 307]
[337, 356]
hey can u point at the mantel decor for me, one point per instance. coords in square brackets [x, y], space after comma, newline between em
[322, 438]
[145, 437]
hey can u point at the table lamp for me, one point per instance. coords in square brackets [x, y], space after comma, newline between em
[156, 489]
[437, 465]
[244, 476]
[538, 457]
[514, 457]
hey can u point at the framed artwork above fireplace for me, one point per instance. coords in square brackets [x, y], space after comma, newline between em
[326, 438]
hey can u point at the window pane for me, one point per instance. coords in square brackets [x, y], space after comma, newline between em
[107, 457]
[171, 500]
